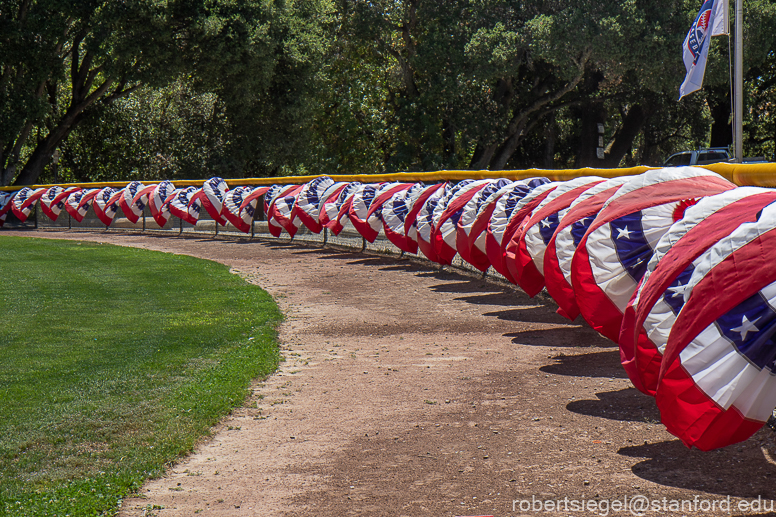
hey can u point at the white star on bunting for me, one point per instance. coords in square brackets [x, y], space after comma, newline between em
[746, 327]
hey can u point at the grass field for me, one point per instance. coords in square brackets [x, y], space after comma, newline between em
[113, 362]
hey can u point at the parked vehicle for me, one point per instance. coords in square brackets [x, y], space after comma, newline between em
[706, 156]
[699, 157]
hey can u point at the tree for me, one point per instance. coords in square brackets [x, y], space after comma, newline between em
[63, 61]
[464, 83]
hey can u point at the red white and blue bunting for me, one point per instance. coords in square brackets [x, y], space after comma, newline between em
[674, 265]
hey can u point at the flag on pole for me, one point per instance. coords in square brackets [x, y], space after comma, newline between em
[711, 21]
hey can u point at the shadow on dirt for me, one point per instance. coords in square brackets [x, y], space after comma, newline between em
[404, 265]
[531, 314]
[373, 261]
[599, 364]
[628, 405]
[567, 336]
[504, 298]
[717, 472]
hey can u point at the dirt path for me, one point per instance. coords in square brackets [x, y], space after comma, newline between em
[407, 391]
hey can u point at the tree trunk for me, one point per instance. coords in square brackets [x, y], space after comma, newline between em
[623, 140]
[45, 148]
[550, 137]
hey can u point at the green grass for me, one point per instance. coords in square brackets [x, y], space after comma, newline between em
[113, 362]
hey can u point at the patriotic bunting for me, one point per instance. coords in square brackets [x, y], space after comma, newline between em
[614, 252]
[5, 206]
[467, 229]
[159, 202]
[185, 204]
[358, 211]
[539, 228]
[79, 202]
[674, 265]
[213, 195]
[24, 201]
[308, 202]
[53, 201]
[560, 250]
[133, 201]
[505, 205]
[106, 204]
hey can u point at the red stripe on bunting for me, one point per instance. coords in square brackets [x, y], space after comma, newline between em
[511, 234]
[638, 354]
[528, 276]
[685, 410]
[600, 312]
[557, 286]
[412, 216]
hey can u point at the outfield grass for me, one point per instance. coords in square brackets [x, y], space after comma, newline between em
[113, 362]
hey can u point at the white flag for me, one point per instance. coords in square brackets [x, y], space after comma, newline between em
[711, 21]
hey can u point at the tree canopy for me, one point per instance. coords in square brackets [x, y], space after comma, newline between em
[187, 88]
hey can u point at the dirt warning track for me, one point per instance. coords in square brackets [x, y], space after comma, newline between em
[409, 391]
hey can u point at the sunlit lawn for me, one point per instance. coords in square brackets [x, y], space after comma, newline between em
[113, 362]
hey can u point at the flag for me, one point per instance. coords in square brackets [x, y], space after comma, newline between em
[695, 49]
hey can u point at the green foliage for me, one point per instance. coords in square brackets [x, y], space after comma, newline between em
[269, 87]
[63, 62]
[171, 133]
[114, 361]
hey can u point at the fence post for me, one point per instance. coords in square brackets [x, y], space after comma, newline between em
[325, 236]
[180, 232]
[253, 218]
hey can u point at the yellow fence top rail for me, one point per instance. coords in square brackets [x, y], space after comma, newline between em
[755, 174]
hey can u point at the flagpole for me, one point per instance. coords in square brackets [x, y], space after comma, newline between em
[738, 85]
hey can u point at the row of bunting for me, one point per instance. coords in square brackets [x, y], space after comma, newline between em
[674, 265]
